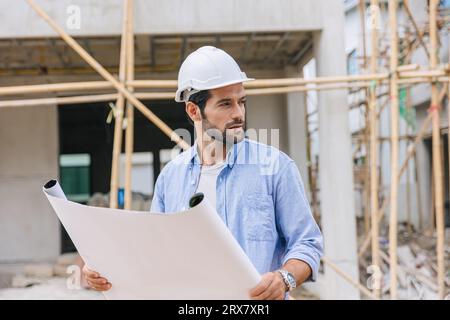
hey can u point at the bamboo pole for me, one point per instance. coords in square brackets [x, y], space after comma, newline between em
[107, 76]
[433, 203]
[408, 67]
[365, 190]
[153, 84]
[418, 194]
[164, 95]
[441, 225]
[361, 80]
[408, 106]
[403, 74]
[158, 95]
[83, 99]
[436, 142]
[424, 73]
[365, 194]
[406, 74]
[448, 132]
[365, 140]
[172, 84]
[402, 137]
[117, 145]
[309, 160]
[416, 28]
[394, 147]
[441, 153]
[55, 87]
[281, 90]
[345, 276]
[374, 157]
[408, 200]
[58, 100]
[421, 80]
[129, 143]
[411, 152]
[171, 95]
[362, 20]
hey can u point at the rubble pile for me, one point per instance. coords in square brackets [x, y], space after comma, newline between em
[417, 264]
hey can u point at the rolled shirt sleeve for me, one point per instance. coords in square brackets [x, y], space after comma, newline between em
[294, 219]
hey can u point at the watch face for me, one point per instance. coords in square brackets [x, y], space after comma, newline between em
[291, 280]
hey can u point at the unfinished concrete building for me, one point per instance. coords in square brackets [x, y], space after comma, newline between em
[72, 139]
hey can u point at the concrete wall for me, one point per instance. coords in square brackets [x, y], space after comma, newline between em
[29, 229]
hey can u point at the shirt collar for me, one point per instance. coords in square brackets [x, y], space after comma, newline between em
[230, 159]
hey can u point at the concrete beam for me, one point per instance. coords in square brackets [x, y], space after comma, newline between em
[161, 17]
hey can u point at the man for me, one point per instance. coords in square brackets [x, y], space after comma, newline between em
[256, 189]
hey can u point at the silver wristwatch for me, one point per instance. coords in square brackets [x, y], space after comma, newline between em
[288, 278]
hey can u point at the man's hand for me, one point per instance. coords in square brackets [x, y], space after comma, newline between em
[271, 287]
[95, 281]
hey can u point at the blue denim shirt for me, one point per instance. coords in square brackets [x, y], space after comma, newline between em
[260, 197]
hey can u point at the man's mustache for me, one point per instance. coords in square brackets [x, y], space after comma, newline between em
[234, 123]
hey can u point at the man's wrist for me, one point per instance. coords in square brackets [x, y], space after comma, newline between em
[288, 279]
[286, 287]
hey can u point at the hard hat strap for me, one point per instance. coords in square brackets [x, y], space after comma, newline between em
[186, 94]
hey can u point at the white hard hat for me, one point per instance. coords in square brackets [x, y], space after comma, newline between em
[207, 68]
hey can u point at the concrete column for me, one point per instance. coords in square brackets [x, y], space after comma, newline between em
[266, 113]
[29, 228]
[335, 162]
[296, 109]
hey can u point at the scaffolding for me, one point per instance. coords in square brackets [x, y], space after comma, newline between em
[125, 90]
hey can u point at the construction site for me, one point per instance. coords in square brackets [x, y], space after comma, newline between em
[356, 92]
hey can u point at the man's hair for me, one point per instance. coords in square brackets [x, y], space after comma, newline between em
[200, 99]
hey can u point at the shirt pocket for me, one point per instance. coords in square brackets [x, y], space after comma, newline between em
[259, 218]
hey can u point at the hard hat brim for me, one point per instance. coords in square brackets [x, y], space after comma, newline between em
[221, 85]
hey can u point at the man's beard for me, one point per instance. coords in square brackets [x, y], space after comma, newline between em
[227, 136]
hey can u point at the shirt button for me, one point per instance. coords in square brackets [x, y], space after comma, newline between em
[193, 182]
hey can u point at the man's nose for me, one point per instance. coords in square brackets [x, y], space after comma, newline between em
[237, 112]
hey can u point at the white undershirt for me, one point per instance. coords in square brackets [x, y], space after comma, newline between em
[208, 179]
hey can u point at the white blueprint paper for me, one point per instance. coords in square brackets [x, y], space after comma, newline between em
[184, 255]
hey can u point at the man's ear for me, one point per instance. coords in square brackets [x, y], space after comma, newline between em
[193, 111]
